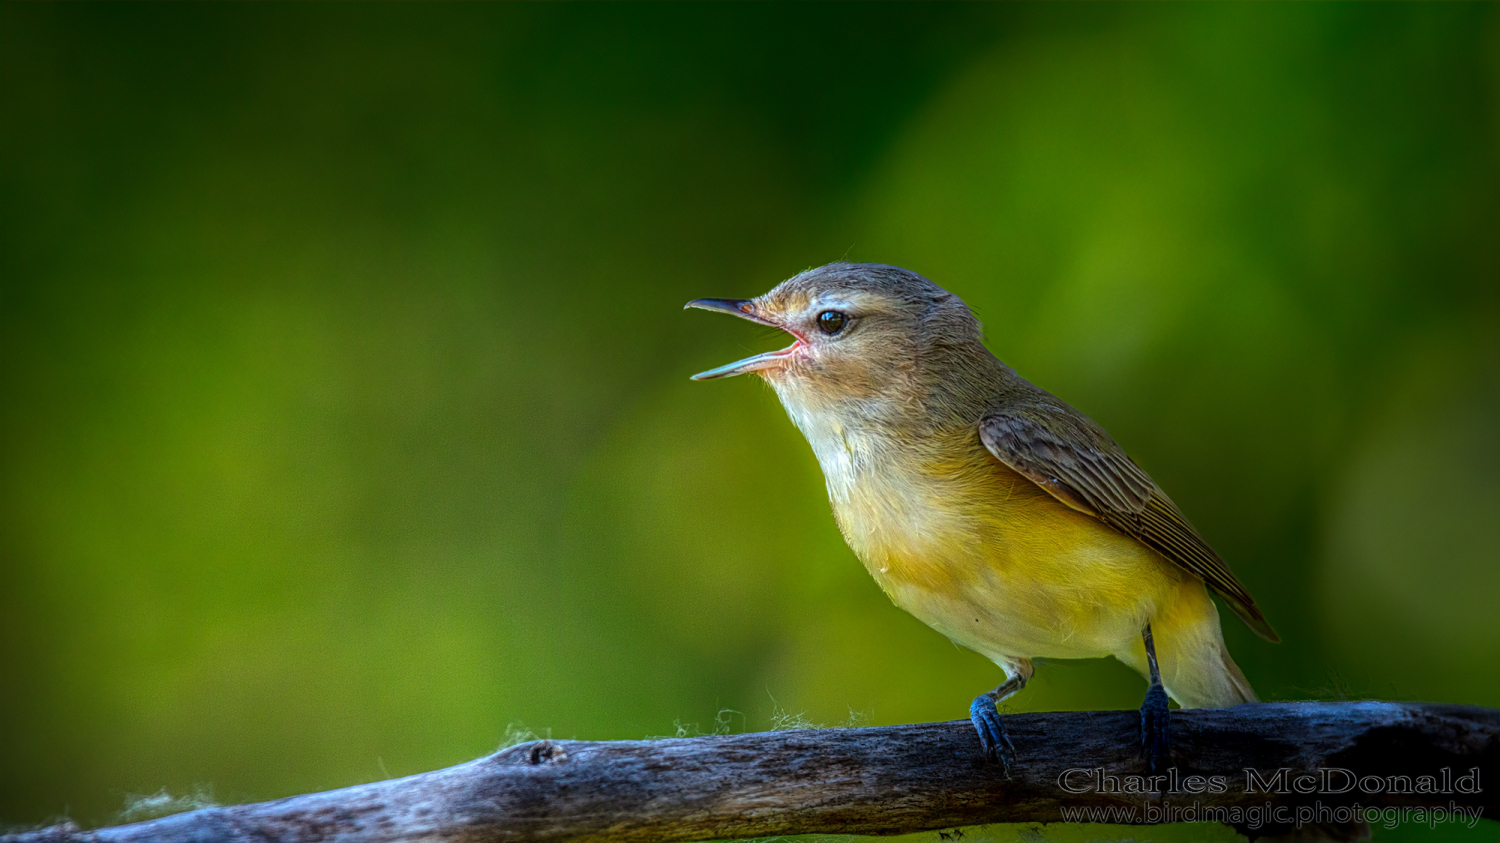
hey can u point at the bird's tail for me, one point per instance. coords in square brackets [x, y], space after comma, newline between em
[1196, 668]
[1243, 693]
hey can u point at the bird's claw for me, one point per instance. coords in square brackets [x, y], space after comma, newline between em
[1155, 720]
[993, 739]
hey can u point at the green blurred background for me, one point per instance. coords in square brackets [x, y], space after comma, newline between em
[346, 421]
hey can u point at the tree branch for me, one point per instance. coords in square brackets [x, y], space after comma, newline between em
[871, 781]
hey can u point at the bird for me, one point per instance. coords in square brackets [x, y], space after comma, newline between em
[989, 509]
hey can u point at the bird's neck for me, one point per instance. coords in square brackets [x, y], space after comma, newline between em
[849, 447]
[890, 436]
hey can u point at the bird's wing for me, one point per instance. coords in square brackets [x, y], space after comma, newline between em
[1076, 462]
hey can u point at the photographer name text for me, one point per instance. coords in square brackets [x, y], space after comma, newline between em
[1322, 781]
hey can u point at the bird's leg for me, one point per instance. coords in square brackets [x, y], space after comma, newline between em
[985, 714]
[1155, 715]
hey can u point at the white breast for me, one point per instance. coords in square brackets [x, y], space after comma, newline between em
[843, 456]
[880, 510]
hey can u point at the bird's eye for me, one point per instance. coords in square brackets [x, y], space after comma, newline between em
[831, 322]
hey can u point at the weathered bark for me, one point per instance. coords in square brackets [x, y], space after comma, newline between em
[870, 781]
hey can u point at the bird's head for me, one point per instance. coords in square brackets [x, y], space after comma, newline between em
[861, 332]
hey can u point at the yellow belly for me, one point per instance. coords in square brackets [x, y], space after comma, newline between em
[992, 561]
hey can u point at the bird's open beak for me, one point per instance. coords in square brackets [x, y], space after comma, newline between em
[745, 309]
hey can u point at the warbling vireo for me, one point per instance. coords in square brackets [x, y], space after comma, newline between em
[986, 507]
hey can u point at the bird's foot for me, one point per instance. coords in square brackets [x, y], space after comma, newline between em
[992, 737]
[1155, 719]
